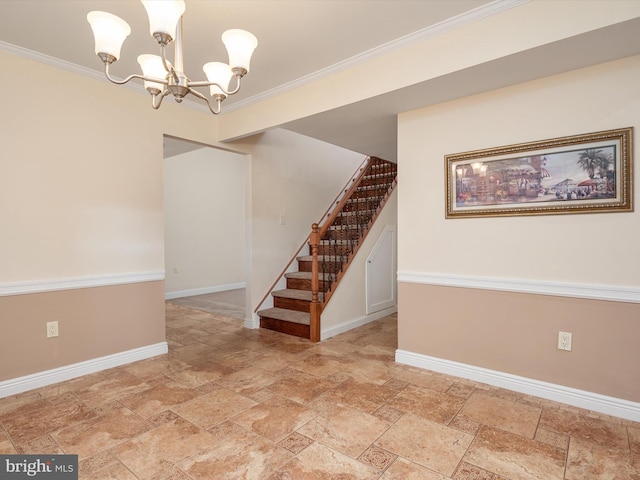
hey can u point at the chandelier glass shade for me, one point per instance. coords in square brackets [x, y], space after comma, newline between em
[160, 76]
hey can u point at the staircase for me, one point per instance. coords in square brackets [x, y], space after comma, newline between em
[332, 246]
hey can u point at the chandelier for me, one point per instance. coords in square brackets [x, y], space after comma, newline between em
[161, 78]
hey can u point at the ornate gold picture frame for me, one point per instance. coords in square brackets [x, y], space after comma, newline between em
[588, 173]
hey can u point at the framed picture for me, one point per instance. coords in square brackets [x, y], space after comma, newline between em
[589, 173]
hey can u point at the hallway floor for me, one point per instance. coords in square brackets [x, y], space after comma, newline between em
[231, 403]
[229, 303]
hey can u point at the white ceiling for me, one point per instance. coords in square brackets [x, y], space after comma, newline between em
[298, 39]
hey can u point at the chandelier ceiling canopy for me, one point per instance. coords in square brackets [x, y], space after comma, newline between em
[160, 76]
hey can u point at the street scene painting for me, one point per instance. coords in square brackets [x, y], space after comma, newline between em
[587, 173]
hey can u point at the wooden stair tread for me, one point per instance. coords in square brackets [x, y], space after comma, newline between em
[355, 213]
[375, 186]
[295, 294]
[371, 200]
[391, 173]
[301, 275]
[285, 315]
[324, 241]
[326, 258]
[348, 226]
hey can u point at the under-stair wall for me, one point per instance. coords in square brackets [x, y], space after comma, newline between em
[347, 308]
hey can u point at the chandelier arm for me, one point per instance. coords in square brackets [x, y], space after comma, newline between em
[161, 96]
[208, 84]
[119, 82]
[131, 77]
[202, 97]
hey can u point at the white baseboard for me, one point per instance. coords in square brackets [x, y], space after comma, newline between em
[334, 330]
[252, 322]
[203, 290]
[559, 393]
[49, 377]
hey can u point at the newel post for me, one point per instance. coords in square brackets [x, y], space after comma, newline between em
[314, 308]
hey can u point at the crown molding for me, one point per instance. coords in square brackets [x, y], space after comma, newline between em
[426, 33]
[479, 13]
[51, 61]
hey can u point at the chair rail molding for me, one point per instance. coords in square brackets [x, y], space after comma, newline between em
[71, 283]
[613, 293]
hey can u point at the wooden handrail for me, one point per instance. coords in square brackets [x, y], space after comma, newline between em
[342, 195]
[327, 223]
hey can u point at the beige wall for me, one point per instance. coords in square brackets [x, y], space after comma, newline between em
[516, 333]
[81, 205]
[82, 209]
[509, 332]
[500, 36]
[93, 322]
[204, 213]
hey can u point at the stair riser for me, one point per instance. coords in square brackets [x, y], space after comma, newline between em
[355, 206]
[302, 284]
[281, 326]
[306, 265]
[335, 249]
[298, 284]
[377, 180]
[362, 218]
[382, 166]
[292, 304]
[374, 193]
[347, 234]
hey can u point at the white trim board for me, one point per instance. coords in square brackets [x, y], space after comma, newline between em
[203, 290]
[559, 393]
[612, 293]
[49, 377]
[252, 322]
[72, 283]
[334, 330]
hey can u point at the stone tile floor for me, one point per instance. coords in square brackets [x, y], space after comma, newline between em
[228, 303]
[231, 403]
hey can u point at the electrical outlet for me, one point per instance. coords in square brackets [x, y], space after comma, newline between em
[52, 329]
[564, 341]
